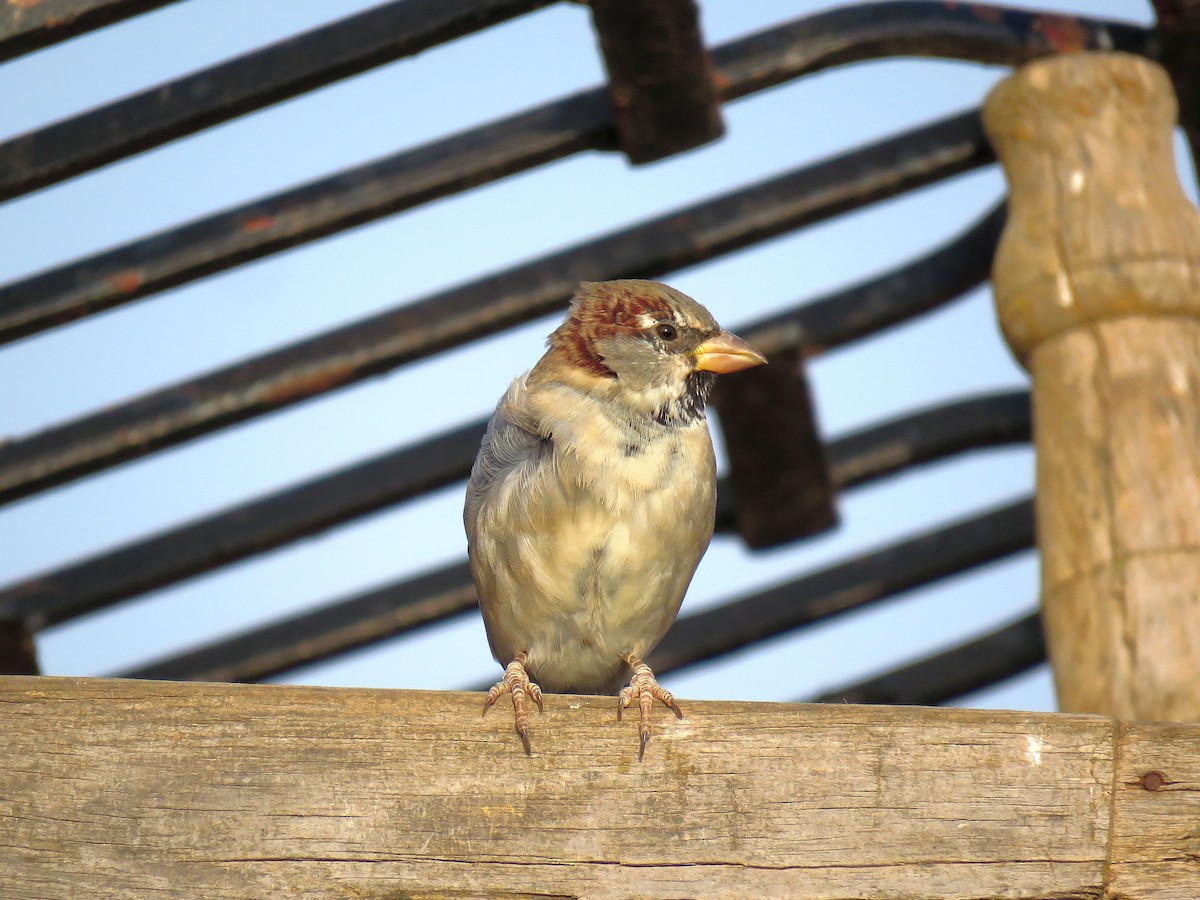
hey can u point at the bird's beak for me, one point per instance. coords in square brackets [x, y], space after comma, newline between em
[724, 353]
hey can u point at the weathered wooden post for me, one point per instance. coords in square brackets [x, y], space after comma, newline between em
[1097, 284]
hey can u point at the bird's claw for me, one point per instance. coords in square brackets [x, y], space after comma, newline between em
[645, 689]
[516, 682]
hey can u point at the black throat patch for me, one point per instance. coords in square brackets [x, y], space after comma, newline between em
[689, 405]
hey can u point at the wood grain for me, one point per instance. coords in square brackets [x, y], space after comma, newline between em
[1097, 284]
[1155, 832]
[113, 788]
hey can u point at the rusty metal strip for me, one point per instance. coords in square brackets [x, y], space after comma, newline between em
[971, 32]
[301, 510]
[660, 79]
[242, 531]
[920, 438]
[401, 335]
[408, 604]
[51, 598]
[28, 25]
[582, 121]
[299, 215]
[844, 316]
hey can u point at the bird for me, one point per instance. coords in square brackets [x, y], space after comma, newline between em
[592, 498]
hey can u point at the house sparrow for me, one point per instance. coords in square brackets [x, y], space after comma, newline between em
[592, 498]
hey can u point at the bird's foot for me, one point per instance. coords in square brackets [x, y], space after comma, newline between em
[516, 682]
[644, 688]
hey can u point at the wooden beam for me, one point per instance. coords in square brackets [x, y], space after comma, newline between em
[1097, 285]
[112, 788]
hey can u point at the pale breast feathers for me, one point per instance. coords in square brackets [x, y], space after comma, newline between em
[512, 445]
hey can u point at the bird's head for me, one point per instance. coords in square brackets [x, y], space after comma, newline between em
[646, 344]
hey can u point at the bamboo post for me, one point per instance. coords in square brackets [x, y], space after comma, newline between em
[1097, 286]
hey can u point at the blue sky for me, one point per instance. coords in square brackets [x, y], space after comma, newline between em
[62, 374]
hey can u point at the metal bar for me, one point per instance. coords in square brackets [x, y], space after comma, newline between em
[18, 654]
[28, 26]
[923, 285]
[403, 605]
[242, 531]
[974, 32]
[401, 335]
[115, 277]
[1001, 654]
[993, 420]
[582, 121]
[333, 629]
[271, 521]
[778, 466]
[1178, 34]
[301, 214]
[660, 80]
[301, 63]
[851, 585]
[306, 508]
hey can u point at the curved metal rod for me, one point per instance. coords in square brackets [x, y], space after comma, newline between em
[328, 500]
[918, 287]
[405, 605]
[403, 334]
[937, 679]
[580, 122]
[242, 531]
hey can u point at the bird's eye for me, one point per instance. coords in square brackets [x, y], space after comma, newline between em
[666, 332]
